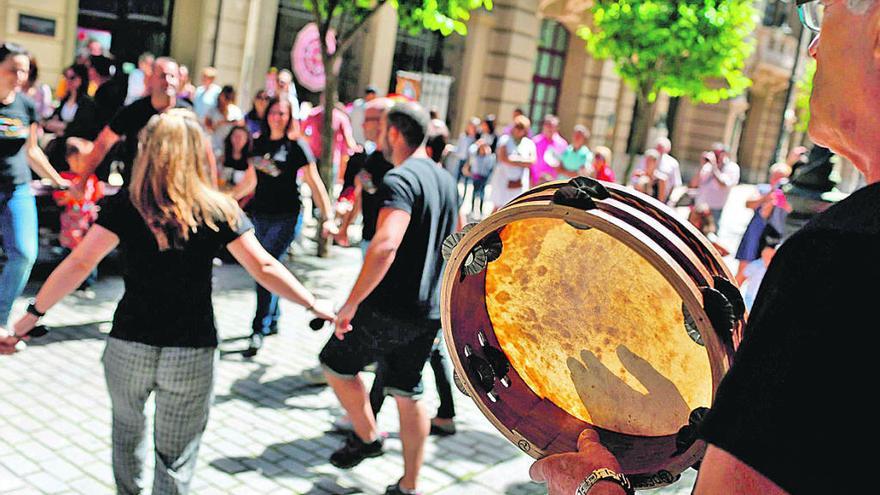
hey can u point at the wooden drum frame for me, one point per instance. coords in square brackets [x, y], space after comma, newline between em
[712, 313]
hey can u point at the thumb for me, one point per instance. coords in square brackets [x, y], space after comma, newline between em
[586, 438]
[536, 471]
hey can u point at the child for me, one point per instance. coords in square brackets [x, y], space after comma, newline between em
[79, 202]
[479, 169]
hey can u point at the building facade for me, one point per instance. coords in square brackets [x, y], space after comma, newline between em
[522, 54]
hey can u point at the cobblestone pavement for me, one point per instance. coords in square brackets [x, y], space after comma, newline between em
[268, 430]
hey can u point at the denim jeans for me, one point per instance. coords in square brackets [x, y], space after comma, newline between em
[18, 228]
[275, 233]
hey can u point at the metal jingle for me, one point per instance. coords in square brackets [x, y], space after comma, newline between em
[468, 227]
[591, 186]
[690, 326]
[449, 244]
[476, 261]
[574, 197]
[497, 360]
[689, 433]
[733, 295]
[720, 313]
[493, 246]
[481, 372]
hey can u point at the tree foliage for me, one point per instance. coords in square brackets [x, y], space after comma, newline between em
[693, 48]
[346, 17]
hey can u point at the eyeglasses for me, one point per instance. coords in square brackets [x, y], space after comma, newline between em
[811, 13]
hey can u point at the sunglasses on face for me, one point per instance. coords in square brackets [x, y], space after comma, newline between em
[811, 13]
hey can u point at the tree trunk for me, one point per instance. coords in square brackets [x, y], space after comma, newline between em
[642, 123]
[325, 165]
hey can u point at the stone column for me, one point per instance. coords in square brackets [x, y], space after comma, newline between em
[377, 50]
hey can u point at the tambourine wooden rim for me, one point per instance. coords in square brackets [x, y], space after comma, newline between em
[686, 260]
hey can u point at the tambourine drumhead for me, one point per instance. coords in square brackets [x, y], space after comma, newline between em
[589, 324]
[597, 312]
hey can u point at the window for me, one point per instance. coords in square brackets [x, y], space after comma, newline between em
[549, 67]
[135, 27]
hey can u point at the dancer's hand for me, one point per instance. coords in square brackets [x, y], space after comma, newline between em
[7, 342]
[25, 324]
[323, 309]
[563, 473]
[343, 319]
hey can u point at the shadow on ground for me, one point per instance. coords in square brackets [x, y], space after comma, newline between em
[88, 331]
[251, 389]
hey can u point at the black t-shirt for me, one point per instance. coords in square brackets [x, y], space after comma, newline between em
[167, 299]
[372, 175]
[276, 164]
[130, 120]
[371, 169]
[241, 164]
[411, 288]
[109, 98]
[791, 405]
[15, 126]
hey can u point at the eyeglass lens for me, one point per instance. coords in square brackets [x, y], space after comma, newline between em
[811, 14]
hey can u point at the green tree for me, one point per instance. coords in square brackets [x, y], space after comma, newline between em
[347, 17]
[691, 48]
[802, 101]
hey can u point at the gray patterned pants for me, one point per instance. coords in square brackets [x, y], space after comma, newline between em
[183, 380]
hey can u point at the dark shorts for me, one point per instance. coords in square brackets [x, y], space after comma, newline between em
[403, 344]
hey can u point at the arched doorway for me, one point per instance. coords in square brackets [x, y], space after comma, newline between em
[549, 68]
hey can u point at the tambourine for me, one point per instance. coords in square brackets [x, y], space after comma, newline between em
[584, 304]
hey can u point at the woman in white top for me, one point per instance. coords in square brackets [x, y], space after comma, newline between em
[220, 119]
[515, 154]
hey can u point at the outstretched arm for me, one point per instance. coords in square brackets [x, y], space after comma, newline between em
[271, 274]
[97, 244]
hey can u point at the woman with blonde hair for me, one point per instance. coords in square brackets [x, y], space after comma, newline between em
[168, 226]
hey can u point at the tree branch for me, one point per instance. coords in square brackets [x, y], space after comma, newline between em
[326, 26]
[344, 41]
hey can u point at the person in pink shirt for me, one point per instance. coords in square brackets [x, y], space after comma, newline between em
[549, 144]
[344, 143]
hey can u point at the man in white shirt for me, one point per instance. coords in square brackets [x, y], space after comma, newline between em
[137, 80]
[715, 181]
[206, 94]
[667, 166]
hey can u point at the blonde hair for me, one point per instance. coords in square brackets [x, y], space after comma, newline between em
[170, 187]
[522, 122]
[780, 168]
[604, 152]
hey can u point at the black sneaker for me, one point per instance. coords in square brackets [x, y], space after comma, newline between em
[354, 451]
[255, 342]
[395, 489]
[442, 430]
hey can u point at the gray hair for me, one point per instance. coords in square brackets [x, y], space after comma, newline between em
[859, 6]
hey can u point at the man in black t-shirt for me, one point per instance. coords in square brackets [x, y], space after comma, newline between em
[787, 416]
[129, 120]
[110, 94]
[393, 311]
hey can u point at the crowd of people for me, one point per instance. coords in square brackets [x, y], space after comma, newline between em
[201, 174]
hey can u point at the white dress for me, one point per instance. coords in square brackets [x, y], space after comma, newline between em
[504, 173]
